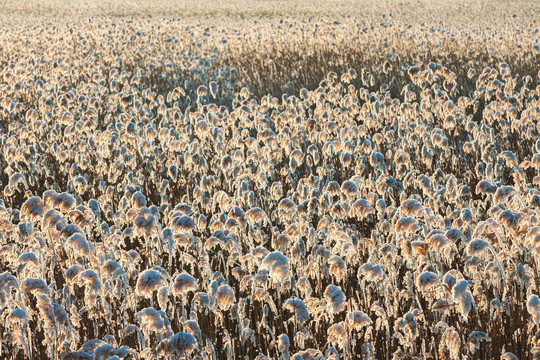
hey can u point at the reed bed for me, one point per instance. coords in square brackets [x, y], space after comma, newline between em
[357, 181]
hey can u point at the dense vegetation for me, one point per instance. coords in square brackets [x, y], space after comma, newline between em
[268, 186]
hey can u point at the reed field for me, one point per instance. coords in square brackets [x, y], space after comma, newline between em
[306, 180]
